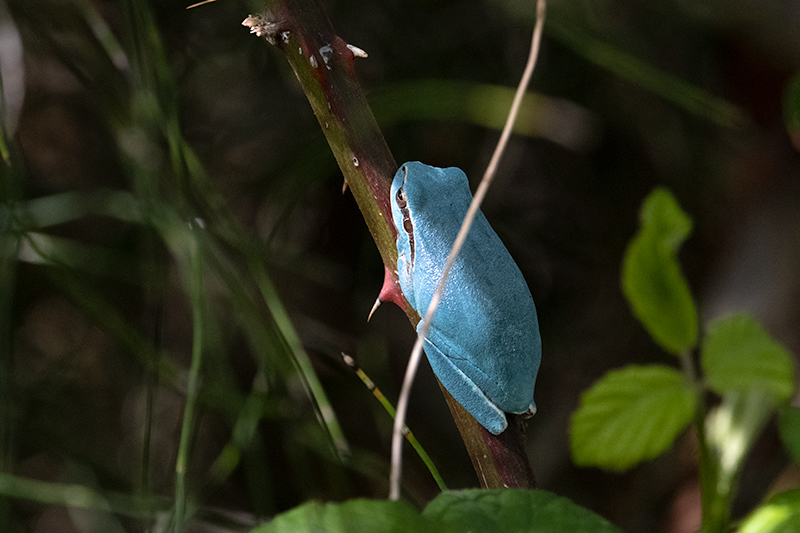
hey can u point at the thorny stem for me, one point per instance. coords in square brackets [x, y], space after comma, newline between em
[302, 31]
[416, 354]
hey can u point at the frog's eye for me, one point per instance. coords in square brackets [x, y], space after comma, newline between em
[400, 198]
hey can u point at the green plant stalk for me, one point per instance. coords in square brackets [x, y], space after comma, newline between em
[715, 503]
[387, 405]
[301, 362]
[301, 30]
[736, 423]
[267, 338]
[300, 357]
[196, 287]
[715, 494]
[253, 320]
[80, 496]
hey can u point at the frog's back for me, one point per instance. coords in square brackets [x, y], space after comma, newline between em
[488, 320]
[486, 323]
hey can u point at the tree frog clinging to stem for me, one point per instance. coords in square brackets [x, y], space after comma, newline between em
[484, 343]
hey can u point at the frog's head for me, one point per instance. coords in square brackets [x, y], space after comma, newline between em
[422, 198]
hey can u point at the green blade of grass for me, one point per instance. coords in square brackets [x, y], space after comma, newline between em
[194, 274]
[300, 357]
[387, 405]
[80, 496]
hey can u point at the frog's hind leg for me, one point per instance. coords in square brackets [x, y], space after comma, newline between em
[464, 390]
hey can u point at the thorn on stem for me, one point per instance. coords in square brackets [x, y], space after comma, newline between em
[390, 292]
[374, 307]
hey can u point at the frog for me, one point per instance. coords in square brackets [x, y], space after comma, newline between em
[484, 343]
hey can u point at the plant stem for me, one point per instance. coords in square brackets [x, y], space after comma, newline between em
[195, 272]
[715, 504]
[500, 461]
[715, 500]
[387, 405]
[302, 31]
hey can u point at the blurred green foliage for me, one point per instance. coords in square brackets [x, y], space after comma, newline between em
[179, 271]
[631, 415]
[651, 276]
[635, 413]
[475, 510]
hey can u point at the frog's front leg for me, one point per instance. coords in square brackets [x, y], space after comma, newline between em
[462, 388]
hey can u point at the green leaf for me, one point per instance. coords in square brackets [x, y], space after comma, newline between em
[514, 510]
[738, 355]
[474, 510]
[652, 279]
[781, 514]
[789, 427]
[352, 516]
[631, 415]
